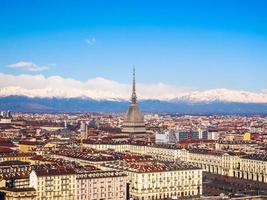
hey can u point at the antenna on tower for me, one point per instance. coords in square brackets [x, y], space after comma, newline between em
[133, 79]
[134, 97]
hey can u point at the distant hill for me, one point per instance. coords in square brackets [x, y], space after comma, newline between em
[27, 104]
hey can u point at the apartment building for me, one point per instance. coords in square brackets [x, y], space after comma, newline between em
[252, 167]
[108, 185]
[159, 180]
[56, 184]
[18, 193]
[241, 165]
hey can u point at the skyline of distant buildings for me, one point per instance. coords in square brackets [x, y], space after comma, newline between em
[131, 156]
[194, 127]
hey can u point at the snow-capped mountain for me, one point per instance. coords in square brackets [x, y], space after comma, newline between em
[223, 95]
[104, 89]
[26, 104]
[37, 93]
[207, 96]
[56, 93]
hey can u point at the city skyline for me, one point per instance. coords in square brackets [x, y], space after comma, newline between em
[173, 46]
[133, 100]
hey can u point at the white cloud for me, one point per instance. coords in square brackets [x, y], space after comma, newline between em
[97, 88]
[90, 41]
[30, 66]
[101, 88]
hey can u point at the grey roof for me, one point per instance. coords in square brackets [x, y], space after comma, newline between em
[134, 115]
[13, 162]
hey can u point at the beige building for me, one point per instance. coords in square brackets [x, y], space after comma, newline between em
[66, 184]
[214, 162]
[108, 185]
[160, 152]
[18, 193]
[54, 184]
[232, 136]
[241, 146]
[251, 167]
[159, 180]
[13, 167]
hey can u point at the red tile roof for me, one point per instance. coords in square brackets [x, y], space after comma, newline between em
[55, 172]
[7, 143]
[4, 150]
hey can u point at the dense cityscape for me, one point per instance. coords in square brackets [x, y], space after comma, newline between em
[133, 100]
[132, 156]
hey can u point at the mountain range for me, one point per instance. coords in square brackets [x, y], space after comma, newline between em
[37, 93]
[221, 94]
[174, 106]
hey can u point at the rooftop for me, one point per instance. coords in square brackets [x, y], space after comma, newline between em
[13, 163]
[7, 143]
[17, 189]
[261, 157]
[31, 143]
[88, 154]
[16, 154]
[55, 171]
[149, 167]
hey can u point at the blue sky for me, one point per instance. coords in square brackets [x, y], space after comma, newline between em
[198, 44]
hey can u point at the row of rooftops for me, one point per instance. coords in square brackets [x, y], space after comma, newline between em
[129, 142]
[17, 154]
[100, 156]
[7, 143]
[236, 142]
[167, 146]
[33, 143]
[25, 169]
[150, 167]
[48, 159]
[6, 150]
[96, 156]
[88, 172]
[191, 150]
[216, 152]
[138, 158]
[56, 169]
[19, 190]
[11, 163]
[260, 157]
[86, 154]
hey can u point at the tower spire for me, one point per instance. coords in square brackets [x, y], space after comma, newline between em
[134, 97]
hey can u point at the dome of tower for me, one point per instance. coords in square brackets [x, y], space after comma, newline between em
[134, 115]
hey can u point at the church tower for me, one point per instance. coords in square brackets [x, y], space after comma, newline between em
[133, 124]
